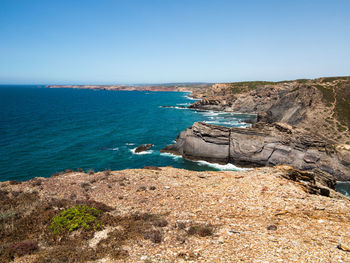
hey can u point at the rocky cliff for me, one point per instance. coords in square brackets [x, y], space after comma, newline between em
[320, 105]
[262, 145]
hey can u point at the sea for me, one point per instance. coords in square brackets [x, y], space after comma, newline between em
[44, 131]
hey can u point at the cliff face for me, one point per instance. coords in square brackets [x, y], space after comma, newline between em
[262, 145]
[320, 105]
[165, 214]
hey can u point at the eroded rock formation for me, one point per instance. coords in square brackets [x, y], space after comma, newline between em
[262, 145]
[143, 147]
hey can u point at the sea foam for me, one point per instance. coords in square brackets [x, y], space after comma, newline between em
[140, 153]
[222, 167]
[175, 157]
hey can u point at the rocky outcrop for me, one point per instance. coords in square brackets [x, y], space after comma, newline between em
[321, 105]
[143, 147]
[280, 103]
[314, 181]
[261, 145]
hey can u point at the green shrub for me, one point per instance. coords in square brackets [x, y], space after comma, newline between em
[302, 81]
[80, 216]
[328, 95]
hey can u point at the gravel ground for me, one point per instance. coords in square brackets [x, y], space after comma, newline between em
[253, 216]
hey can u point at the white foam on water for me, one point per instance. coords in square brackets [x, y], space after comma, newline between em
[188, 97]
[211, 122]
[231, 123]
[183, 104]
[222, 167]
[176, 157]
[130, 143]
[140, 153]
[211, 113]
[112, 149]
[174, 107]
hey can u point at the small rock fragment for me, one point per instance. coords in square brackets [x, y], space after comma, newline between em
[272, 227]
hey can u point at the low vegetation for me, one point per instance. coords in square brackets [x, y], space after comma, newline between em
[27, 222]
[201, 230]
[238, 87]
[77, 217]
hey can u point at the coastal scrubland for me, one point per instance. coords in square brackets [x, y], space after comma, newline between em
[174, 215]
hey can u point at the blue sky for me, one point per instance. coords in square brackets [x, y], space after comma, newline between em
[157, 41]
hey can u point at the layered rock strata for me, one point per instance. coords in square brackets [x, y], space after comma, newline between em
[262, 145]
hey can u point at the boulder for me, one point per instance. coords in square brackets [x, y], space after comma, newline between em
[143, 147]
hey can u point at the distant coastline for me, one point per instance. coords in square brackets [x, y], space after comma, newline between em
[180, 87]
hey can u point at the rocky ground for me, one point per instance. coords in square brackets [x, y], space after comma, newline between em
[174, 215]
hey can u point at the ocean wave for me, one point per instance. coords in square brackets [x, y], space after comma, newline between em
[112, 149]
[231, 123]
[174, 107]
[211, 113]
[130, 143]
[222, 167]
[188, 97]
[176, 157]
[140, 153]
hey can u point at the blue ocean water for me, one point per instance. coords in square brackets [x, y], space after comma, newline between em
[43, 131]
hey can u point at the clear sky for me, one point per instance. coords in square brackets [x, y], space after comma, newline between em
[157, 41]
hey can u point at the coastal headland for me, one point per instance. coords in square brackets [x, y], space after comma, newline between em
[303, 123]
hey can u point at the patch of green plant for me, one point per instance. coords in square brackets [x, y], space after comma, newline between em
[285, 81]
[331, 79]
[343, 110]
[302, 80]
[80, 216]
[238, 87]
[327, 94]
[7, 214]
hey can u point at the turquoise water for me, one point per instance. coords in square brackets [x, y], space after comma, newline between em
[343, 188]
[43, 131]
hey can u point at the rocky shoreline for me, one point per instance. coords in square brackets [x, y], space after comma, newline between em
[261, 145]
[295, 126]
